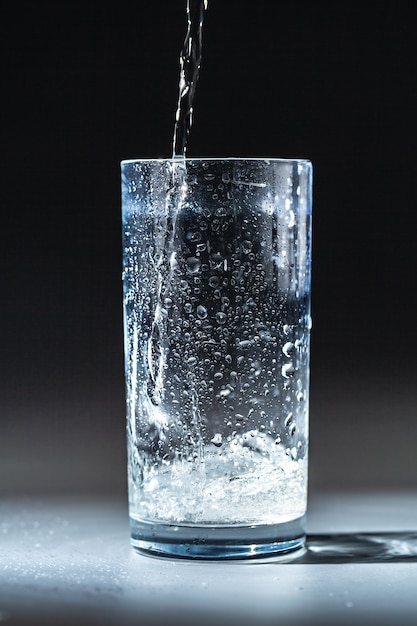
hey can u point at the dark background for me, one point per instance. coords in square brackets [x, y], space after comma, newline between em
[85, 85]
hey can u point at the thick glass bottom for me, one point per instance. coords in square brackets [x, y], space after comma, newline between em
[217, 542]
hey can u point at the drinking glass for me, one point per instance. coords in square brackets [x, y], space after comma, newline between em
[217, 257]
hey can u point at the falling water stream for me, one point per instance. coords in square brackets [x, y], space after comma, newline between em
[190, 61]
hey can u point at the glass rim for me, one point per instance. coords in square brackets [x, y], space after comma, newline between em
[179, 160]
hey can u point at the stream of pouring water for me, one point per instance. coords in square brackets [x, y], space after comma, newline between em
[190, 61]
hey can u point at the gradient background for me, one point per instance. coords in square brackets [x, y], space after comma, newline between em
[88, 84]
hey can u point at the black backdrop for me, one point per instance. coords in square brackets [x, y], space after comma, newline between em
[87, 84]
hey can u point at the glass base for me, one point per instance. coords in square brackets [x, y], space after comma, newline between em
[217, 542]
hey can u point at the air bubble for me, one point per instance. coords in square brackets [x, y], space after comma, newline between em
[288, 348]
[217, 440]
[233, 377]
[221, 317]
[246, 246]
[201, 312]
[221, 212]
[213, 281]
[287, 370]
[193, 265]
[288, 419]
[194, 235]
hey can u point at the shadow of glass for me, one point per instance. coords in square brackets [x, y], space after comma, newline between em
[394, 547]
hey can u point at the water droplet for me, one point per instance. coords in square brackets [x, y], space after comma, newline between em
[288, 348]
[286, 328]
[213, 281]
[192, 360]
[287, 370]
[221, 318]
[193, 265]
[168, 303]
[194, 235]
[217, 440]
[201, 312]
[221, 212]
[183, 285]
[228, 359]
[245, 343]
[300, 396]
[246, 246]
[288, 419]
[218, 376]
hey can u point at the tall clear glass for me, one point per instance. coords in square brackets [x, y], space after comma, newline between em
[217, 256]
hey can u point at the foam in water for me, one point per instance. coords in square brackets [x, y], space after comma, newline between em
[252, 481]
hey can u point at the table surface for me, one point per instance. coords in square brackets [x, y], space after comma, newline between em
[68, 560]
